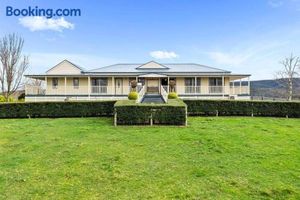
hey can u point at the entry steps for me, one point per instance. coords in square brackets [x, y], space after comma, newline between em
[152, 98]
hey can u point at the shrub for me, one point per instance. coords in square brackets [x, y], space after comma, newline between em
[172, 95]
[133, 84]
[133, 95]
[172, 84]
[57, 109]
[2, 98]
[130, 113]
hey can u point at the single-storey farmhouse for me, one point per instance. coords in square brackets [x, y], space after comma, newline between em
[68, 81]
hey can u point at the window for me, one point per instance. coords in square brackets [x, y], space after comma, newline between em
[198, 84]
[190, 85]
[99, 85]
[215, 81]
[99, 81]
[54, 83]
[76, 83]
[215, 85]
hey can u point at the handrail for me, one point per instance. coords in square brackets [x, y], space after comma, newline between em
[164, 94]
[141, 94]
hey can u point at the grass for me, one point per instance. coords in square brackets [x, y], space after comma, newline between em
[88, 158]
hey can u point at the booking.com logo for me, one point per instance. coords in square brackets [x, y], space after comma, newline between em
[36, 11]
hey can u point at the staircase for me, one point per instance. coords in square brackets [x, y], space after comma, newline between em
[152, 98]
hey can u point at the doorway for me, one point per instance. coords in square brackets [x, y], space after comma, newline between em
[153, 85]
[118, 86]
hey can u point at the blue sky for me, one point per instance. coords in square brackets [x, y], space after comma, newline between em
[237, 35]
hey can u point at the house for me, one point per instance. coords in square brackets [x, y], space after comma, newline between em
[68, 81]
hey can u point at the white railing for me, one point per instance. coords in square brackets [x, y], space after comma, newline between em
[141, 94]
[164, 94]
[73, 91]
[165, 87]
[109, 90]
[99, 89]
[212, 90]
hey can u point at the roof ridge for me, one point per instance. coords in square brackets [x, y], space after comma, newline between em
[163, 64]
[212, 67]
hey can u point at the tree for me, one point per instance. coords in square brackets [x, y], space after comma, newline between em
[13, 64]
[286, 76]
[172, 85]
[133, 85]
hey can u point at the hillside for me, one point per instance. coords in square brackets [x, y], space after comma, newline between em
[272, 88]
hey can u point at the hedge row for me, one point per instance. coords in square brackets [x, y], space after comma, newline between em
[161, 113]
[57, 109]
[243, 108]
[172, 113]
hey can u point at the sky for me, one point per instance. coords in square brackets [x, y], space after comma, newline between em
[249, 37]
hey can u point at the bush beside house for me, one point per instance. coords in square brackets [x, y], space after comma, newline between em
[172, 95]
[133, 95]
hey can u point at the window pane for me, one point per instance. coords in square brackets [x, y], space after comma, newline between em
[189, 81]
[75, 82]
[198, 81]
[54, 82]
[215, 81]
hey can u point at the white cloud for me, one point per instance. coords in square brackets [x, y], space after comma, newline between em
[163, 54]
[228, 59]
[275, 3]
[38, 23]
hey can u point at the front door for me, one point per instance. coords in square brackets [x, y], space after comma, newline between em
[119, 85]
[153, 86]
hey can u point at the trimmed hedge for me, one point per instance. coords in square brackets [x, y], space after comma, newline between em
[164, 114]
[57, 109]
[130, 113]
[243, 108]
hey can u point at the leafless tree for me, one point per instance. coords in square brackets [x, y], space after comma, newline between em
[13, 64]
[34, 82]
[287, 76]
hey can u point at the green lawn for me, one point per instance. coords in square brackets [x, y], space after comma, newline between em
[88, 158]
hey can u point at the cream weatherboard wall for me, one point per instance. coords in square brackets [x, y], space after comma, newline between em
[64, 68]
[83, 85]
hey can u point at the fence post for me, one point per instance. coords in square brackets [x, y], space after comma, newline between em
[151, 119]
[115, 117]
[186, 115]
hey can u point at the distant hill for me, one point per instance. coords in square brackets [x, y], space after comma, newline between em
[272, 88]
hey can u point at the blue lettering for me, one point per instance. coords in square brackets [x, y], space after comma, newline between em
[9, 10]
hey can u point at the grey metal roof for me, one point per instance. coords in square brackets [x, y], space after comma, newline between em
[171, 68]
[134, 69]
